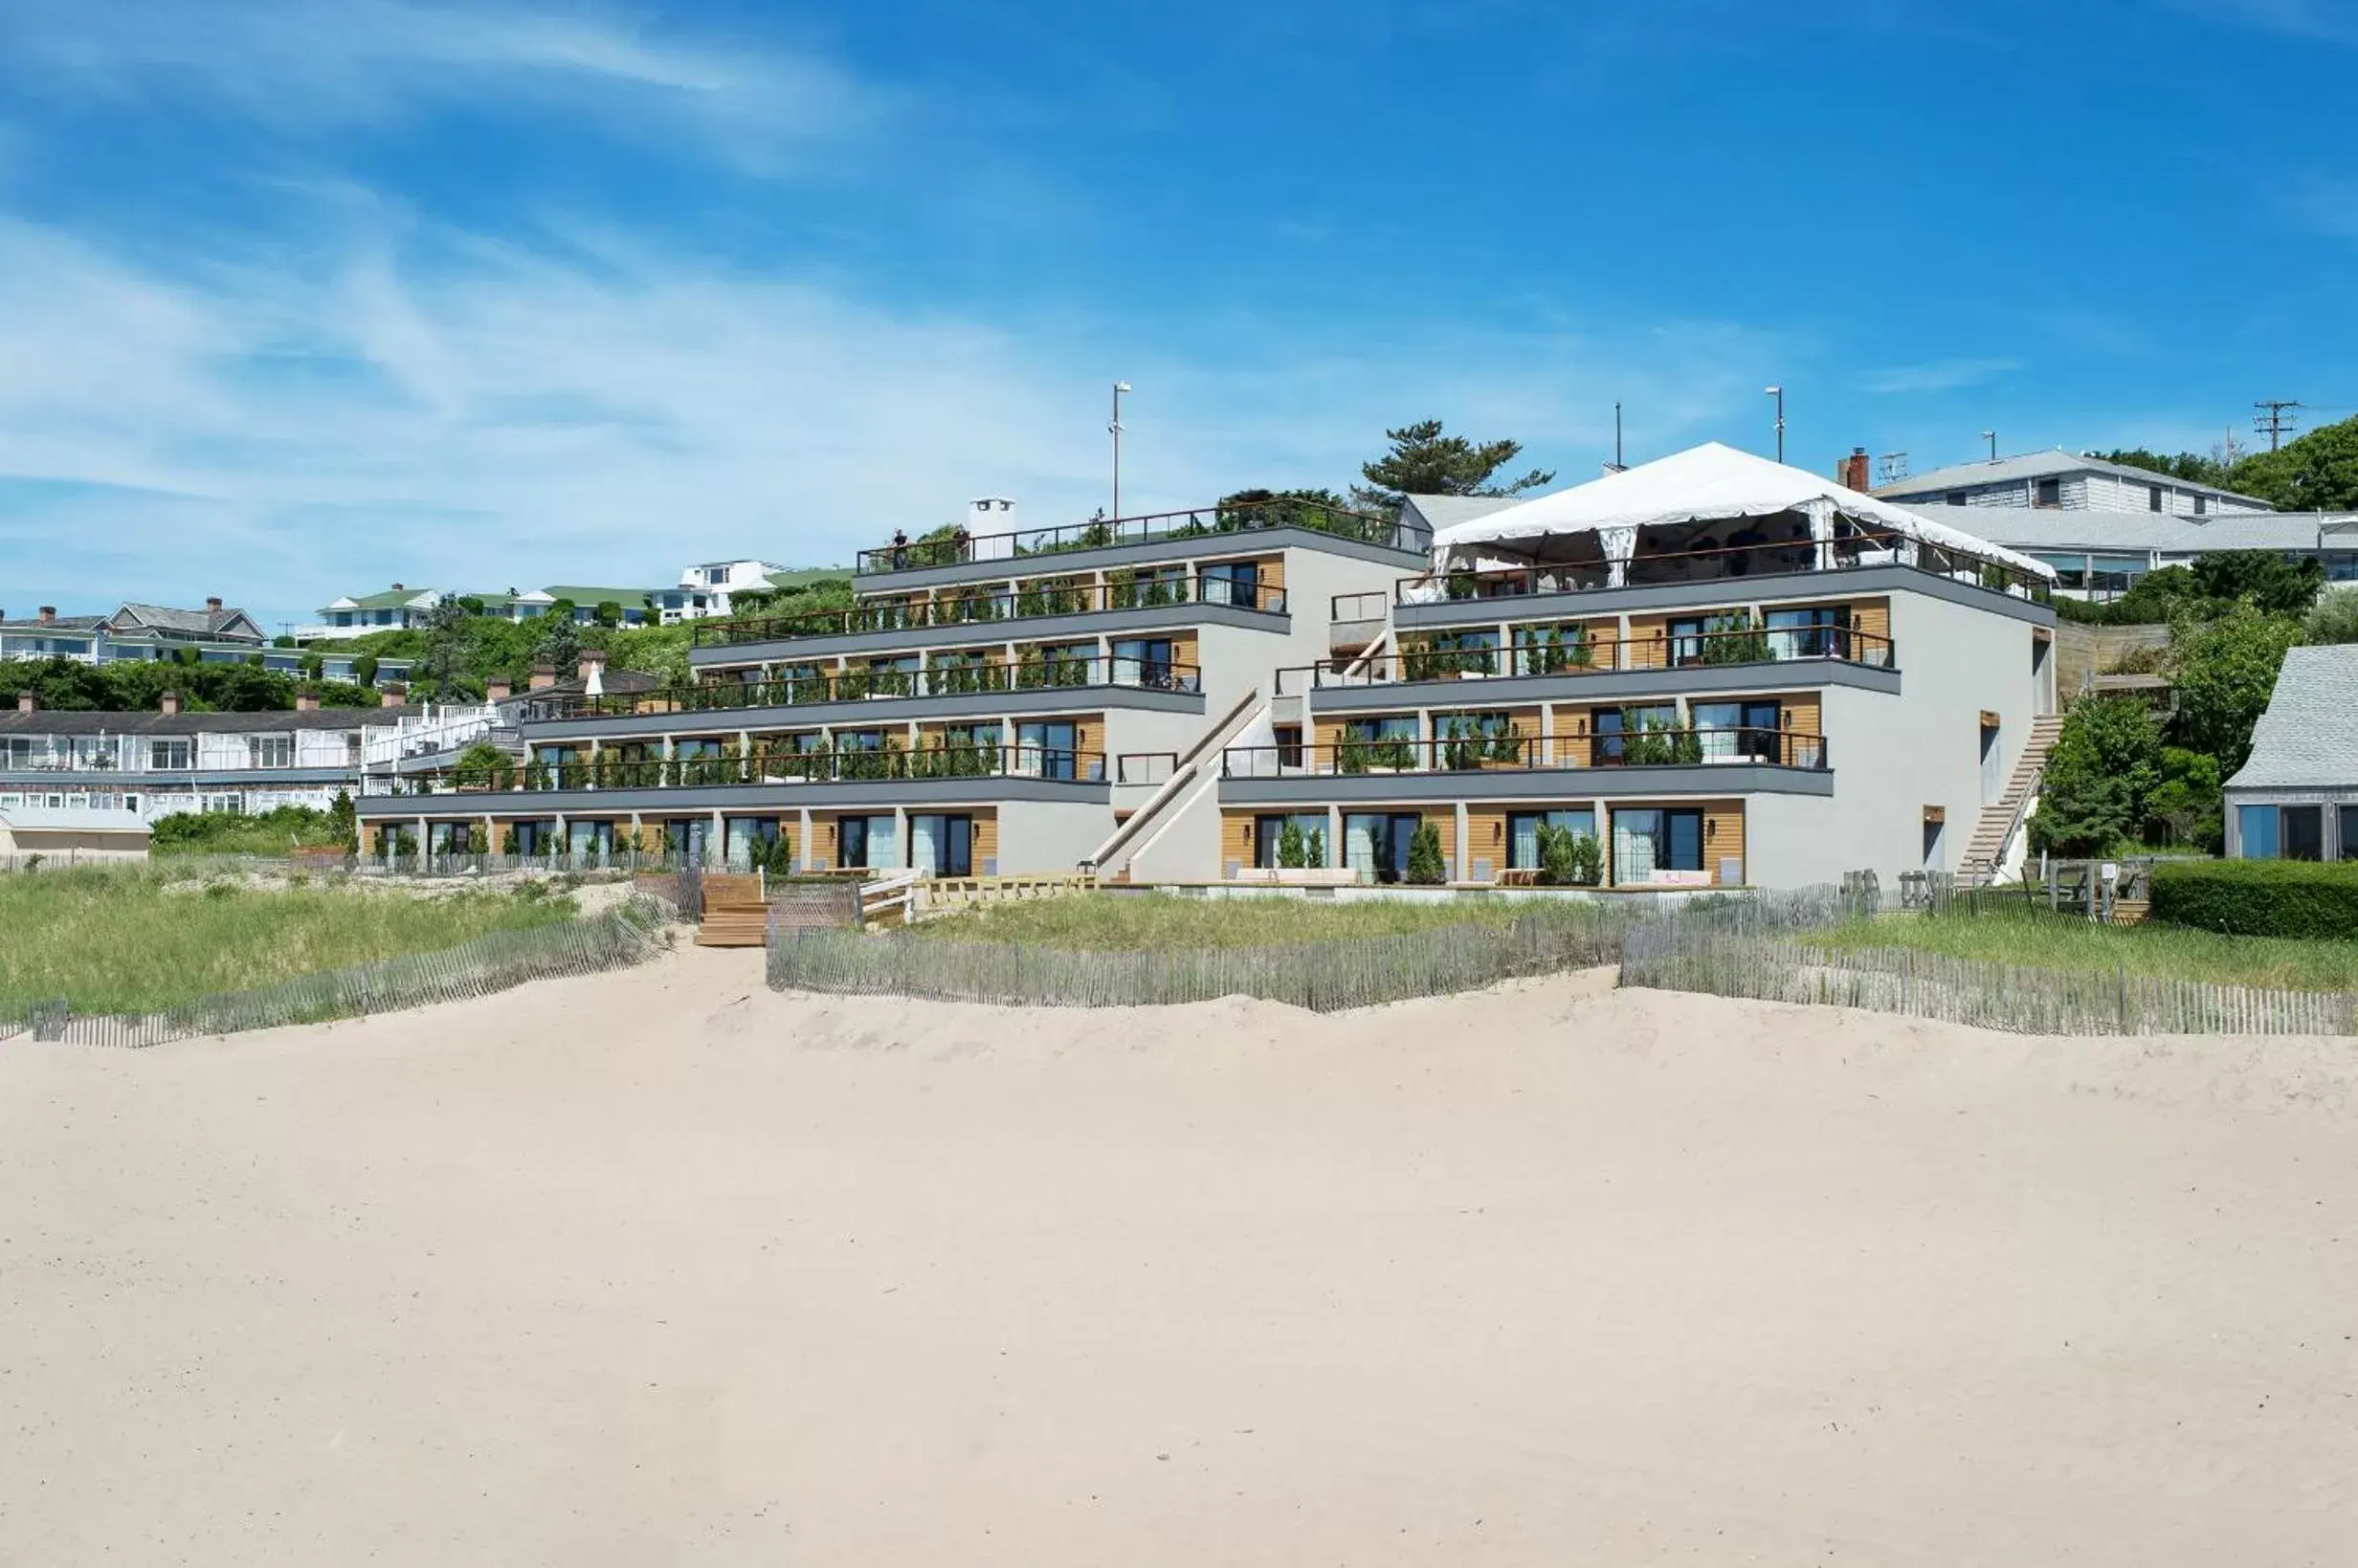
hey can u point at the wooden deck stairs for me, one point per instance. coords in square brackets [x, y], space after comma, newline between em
[1999, 819]
[735, 913]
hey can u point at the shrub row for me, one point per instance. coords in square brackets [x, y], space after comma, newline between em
[2259, 898]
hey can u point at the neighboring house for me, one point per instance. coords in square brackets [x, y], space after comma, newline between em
[66, 834]
[50, 635]
[399, 608]
[634, 605]
[213, 625]
[2062, 481]
[710, 588]
[152, 633]
[2296, 798]
[156, 764]
[2101, 556]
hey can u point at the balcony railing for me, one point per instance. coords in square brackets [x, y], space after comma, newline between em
[1698, 747]
[1146, 768]
[1731, 563]
[1582, 655]
[770, 764]
[879, 685]
[1108, 533]
[954, 608]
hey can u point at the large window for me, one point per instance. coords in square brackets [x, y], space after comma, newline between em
[589, 843]
[1047, 749]
[1647, 841]
[1268, 833]
[1806, 634]
[942, 844]
[270, 750]
[2349, 833]
[1737, 731]
[2304, 832]
[170, 756]
[2285, 832]
[1608, 747]
[866, 843]
[1523, 833]
[1142, 661]
[1232, 582]
[743, 833]
[1375, 844]
[2047, 493]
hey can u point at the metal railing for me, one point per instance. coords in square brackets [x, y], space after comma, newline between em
[776, 764]
[1359, 607]
[1109, 533]
[960, 679]
[974, 607]
[1474, 753]
[1730, 563]
[1146, 768]
[1582, 655]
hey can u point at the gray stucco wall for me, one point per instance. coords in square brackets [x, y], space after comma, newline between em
[1050, 837]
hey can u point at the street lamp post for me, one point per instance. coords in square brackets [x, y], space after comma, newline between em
[1120, 388]
[1778, 392]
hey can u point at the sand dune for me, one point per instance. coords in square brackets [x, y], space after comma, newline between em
[663, 1268]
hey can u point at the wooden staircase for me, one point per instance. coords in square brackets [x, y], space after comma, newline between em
[735, 913]
[1999, 819]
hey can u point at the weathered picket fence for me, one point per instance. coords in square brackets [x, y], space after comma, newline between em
[625, 935]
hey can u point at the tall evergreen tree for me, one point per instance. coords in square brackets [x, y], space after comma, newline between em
[1424, 461]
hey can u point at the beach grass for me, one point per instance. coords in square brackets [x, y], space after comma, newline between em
[134, 939]
[1130, 923]
[2034, 939]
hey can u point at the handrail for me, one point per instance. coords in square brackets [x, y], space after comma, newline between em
[779, 764]
[1509, 750]
[1735, 564]
[1189, 764]
[1359, 607]
[972, 608]
[870, 685]
[1107, 532]
[1602, 656]
[1147, 761]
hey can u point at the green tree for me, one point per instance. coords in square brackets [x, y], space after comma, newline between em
[2223, 669]
[480, 763]
[2333, 618]
[560, 640]
[2264, 577]
[2191, 467]
[609, 613]
[2313, 472]
[1423, 461]
[1293, 851]
[2185, 805]
[2105, 767]
[446, 639]
[345, 822]
[1425, 866]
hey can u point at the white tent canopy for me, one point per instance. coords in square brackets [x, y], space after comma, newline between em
[1709, 483]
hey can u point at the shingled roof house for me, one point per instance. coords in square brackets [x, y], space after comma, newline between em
[2297, 797]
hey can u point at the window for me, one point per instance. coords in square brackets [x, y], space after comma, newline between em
[1806, 633]
[1288, 738]
[590, 842]
[866, 844]
[1960, 498]
[170, 756]
[226, 805]
[270, 751]
[1608, 746]
[1465, 740]
[2256, 828]
[1047, 749]
[744, 833]
[689, 838]
[16, 751]
[1738, 732]
[943, 845]
[1375, 845]
[2153, 497]
[1232, 582]
[2349, 833]
[1378, 742]
[2304, 832]
[2202, 505]
[1523, 833]
[1647, 842]
[1144, 661]
[2047, 493]
[1269, 833]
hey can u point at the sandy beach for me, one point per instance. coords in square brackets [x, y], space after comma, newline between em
[660, 1267]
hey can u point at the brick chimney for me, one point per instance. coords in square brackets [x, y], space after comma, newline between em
[306, 702]
[170, 703]
[498, 688]
[394, 694]
[1850, 473]
[591, 659]
[213, 604]
[26, 701]
[49, 614]
[544, 675]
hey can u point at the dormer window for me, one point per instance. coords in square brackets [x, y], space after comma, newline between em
[2047, 493]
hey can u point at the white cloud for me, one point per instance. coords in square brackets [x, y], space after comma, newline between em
[1940, 376]
[285, 431]
[298, 62]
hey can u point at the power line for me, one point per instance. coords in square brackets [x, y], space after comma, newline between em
[2276, 418]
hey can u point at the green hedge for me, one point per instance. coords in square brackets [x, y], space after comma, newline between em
[2260, 897]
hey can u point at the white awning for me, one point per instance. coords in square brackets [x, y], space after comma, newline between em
[1709, 483]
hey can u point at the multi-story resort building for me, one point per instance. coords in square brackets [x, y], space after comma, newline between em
[1724, 670]
[992, 703]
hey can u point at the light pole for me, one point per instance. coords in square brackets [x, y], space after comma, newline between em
[1778, 392]
[1120, 388]
[1992, 436]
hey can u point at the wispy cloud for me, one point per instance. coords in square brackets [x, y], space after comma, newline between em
[293, 63]
[1939, 376]
[298, 428]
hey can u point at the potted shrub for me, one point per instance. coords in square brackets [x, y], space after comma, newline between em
[1425, 866]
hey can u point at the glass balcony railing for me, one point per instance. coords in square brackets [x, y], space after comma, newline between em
[1111, 533]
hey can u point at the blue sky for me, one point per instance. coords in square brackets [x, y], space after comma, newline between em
[302, 296]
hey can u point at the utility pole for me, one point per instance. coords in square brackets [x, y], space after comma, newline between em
[1992, 436]
[2276, 418]
[1778, 392]
[1120, 388]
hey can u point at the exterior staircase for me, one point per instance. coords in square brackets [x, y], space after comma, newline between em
[2001, 819]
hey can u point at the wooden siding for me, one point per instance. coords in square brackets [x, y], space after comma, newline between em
[1236, 839]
